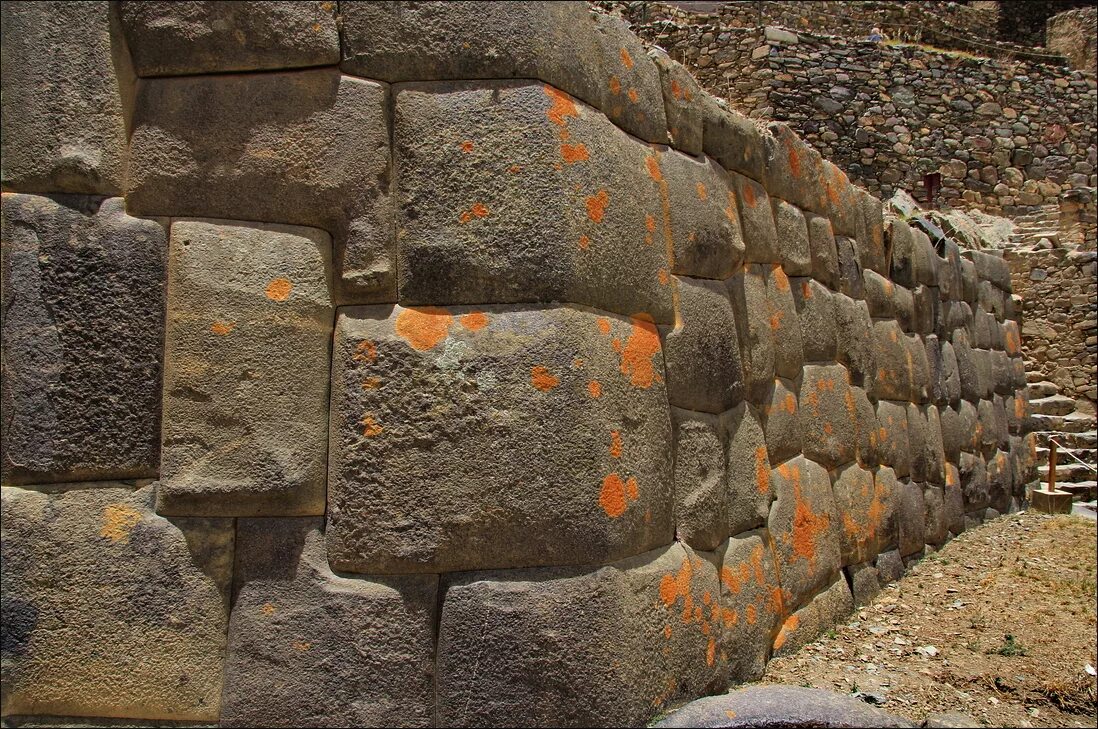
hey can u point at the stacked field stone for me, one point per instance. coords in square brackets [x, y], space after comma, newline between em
[451, 363]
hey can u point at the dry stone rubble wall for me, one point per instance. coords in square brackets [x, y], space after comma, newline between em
[523, 385]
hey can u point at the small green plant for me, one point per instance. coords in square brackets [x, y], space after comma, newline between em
[854, 688]
[831, 634]
[1011, 647]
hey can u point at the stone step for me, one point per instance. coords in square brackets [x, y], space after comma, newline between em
[1086, 440]
[1066, 473]
[1034, 376]
[1081, 490]
[1052, 405]
[1064, 456]
[1044, 388]
[1074, 423]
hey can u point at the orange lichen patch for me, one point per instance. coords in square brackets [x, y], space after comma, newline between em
[118, 521]
[616, 344]
[730, 210]
[514, 169]
[279, 289]
[667, 631]
[730, 579]
[790, 625]
[762, 471]
[794, 157]
[1019, 408]
[828, 428]
[301, 645]
[370, 427]
[664, 276]
[584, 243]
[478, 210]
[474, 321]
[615, 495]
[676, 89]
[806, 290]
[633, 95]
[603, 324]
[615, 444]
[632, 490]
[780, 279]
[776, 601]
[562, 107]
[371, 383]
[365, 351]
[594, 389]
[573, 153]
[577, 362]
[711, 651]
[596, 205]
[268, 608]
[776, 320]
[221, 328]
[729, 617]
[637, 357]
[466, 146]
[423, 327]
[749, 196]
[564, 134]
[650, 223]
[699, 188]
[757, 564]
[807, 525]
[543, 379]
[626, 58]
[653, 166]
[752, 614]
[615, 85]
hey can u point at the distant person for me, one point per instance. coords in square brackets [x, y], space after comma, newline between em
[875, 36]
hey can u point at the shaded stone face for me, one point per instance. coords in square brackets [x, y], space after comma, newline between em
[566, 642]
[752, 603]
[83, 332]
[499, 436]
[701, 485]
[246, 369]
[866, 508]
[828, 413]
[748, 467]
[130, 621]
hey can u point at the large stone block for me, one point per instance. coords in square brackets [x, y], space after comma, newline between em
[872, 247]
[970, 428]
[701, 486]
[63, 126]
[864, 582]
[756, 220]
[910, 517]
[705, 222]
[655, 619]
[571, 405]
[828, 415]
[792, 232]
[892, 380]
[851, 281]
[934, 445]
[591, 56]
[951, 377]
[804, 525]
[815, 306]
[752, 603]
[893, 442]
[935, 390]
[866, 429]
[917, 443]
[83, 332]
[781, 421]
[110, 610]
[937, 525]
[309, 648]
[732, 139]
[176, 39]
[793, 168]
[974, 484]
[927, 303]
[494, 206]
[748, 293]
[302, 147]
[782, 322]
[682, 102]
[953, 437]
[822, 247]
[1000, 482]
[867, 510]
[246, 370]
[827, 609]
[702, 351]
[748, 468]
[854, 330]
[954, 500]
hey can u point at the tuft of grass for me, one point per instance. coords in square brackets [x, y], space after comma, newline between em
[1011, 647]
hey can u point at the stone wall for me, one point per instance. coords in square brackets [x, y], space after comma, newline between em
[1006, 136]
[406, 375]
[1073, 34]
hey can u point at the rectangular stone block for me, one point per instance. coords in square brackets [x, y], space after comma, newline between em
[246, 369]
[792, 232]
[841, 202]
[872, 247]
[495, 437]
[309, 648]
[823, 250]
[747, 465]
[701, 485]
[176, 39]
[110, 610]
[752, 603]
[910, 517]
[781, 421]
[591, 56]
[815, 305]
[785, 330]
[828, 415]
[682, 103]
[974, 484]
[937, 526]
[62, 126]
[827, 609]
[854, 342]
[747, 290]
[756, 220]
[893, 443]
[866, 506]
[794, 169]
[306, 147]
[850, 277]
[702, 351]
[704, 216]
[732, 139]
[953, 499]
[83, 333]
[522, 215]
[657, 618]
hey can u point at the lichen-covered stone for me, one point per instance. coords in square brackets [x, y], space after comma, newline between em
[854, 345]
[823, 250]
[756, 220]
[910, 517]
[781, 421]
[748, 293]
[782, 322]
[752, 603]
[953, 500]
[866, 507]
[63, 126]
[682, 99]
[704, 220]
[792, 232]
[83, 333]
[893, 443]
[732, 139]
[828, 413]
[937, 526]
[818, 321]
[826, 609]
[495, 437]
[309, 147]
[851, 281]
[748, 467]
[974, 483]
[702, 351]
[701, 486]
[246, 370]
[110, 610]
[310, 648]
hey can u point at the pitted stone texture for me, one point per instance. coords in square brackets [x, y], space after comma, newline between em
[827, 609]
[572, 403]
[827, 412]
[309, 648]
[864, 583]
[910, 517]
[245, 423]
[782, 322]
[890, 566]
[1000, 484]
[854, 339]
[893, 442]
[748, 468]
[953, 500]
[590, 56]
[816, 314]
[751, 601]
[495, 207]
[804, 525]
[872, 247]
[83, 332]
[951, 378]
[702, 351]
[110, 610]
[63, 126]
[682, 100]
[705, 224]
[782, 421]
[822, 247]
[701, 490]
[974, 482]
[937, 525]
[756, 220]
[970, 429]
[175, 39]
[794, 169]
[927, 303]
[851, 280]
[748, 292]
[792, 232]
[656, 639]
[308, 148]
[952, 436]
[732, 139]
[900, 361]
[866, 429]
[866, 507]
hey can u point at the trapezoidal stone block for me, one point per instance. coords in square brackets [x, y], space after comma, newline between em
[747, 290]
[756, 220]
[178, 39]
[866, 506]
[246, 370]
[705, 222]
[794, 169]
[748, 469]
[823, 250]
[512, 192]
[569, 647]
[815, 305]
[110, 610]
[827, 609]
[752, 603]
[83, 333]
[702, 351]
[781, 421]
[782, 321]
[63, 127]
[910, 517]
[893, 440]
[701, 485]
[828, 415]
[306, 147]
[495, 437]
[792, 232]
[587, 55]
[682, 101]
[732, 139]
[310, 648]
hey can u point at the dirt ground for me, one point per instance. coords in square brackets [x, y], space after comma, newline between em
[999, 625]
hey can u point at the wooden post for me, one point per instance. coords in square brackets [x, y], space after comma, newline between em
[1051, 465]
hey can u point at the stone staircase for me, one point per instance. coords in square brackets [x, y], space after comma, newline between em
[1029, 229]
[1056, 417]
